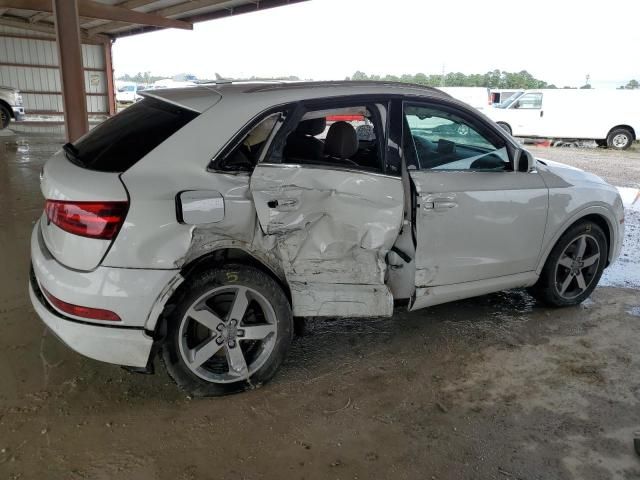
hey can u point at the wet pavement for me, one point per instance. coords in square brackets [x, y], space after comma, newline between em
[495, 387]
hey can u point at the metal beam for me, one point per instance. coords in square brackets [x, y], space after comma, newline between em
[254, 6]
[38, 16]
[21, 23]
[71, 73]
[108, 65]
[130, 4]
[87, 8]
[186, 6]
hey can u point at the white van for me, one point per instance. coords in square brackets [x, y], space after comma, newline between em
[477, 97]
[610, 117]
[503, 95]
[128, 93]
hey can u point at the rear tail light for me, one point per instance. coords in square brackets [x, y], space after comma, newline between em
[88, 219]
[84, 312]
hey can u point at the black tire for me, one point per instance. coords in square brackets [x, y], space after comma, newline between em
[549, 288]
[619, 139]
[505, 127]
[262, 286]
[5, 117]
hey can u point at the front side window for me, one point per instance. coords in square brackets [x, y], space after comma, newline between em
[529, 101]
[438, 139]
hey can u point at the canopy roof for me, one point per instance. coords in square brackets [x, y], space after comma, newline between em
[104, 19]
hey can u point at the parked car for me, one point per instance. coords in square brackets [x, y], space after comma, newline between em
[611, 117]
[10, 106]
[197, 223]
[129, 93]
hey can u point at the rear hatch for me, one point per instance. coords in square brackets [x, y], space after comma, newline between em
[85, 200]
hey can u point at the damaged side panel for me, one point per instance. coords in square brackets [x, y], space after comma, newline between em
[332, 230]
[329, 245]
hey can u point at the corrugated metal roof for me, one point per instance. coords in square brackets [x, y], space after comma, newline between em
[189, 11]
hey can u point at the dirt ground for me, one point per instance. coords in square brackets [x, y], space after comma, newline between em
[621, 169]
[494, 387]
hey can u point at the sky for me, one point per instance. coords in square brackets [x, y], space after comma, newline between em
[559, 41]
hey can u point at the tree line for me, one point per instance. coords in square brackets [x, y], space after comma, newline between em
[493, 79]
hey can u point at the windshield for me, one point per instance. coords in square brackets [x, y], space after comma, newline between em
[509, 100]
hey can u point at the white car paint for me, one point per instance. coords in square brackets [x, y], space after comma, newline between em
[128, 93]
[330, 239]
[571, 113]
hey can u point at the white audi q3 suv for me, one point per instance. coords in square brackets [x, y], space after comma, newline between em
[197, 223]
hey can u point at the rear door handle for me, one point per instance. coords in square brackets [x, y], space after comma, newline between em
[439, 205]
[431, 202]
[444, 204]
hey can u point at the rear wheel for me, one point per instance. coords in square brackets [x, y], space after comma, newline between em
[229, 332]
[5, 117]
[619, 139]
[574, 266]
[505, 127]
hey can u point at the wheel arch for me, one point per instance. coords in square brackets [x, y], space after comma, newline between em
[226, 255]
[155, 324]
[598, 215]
[3, 103]
[501, 122]
[625, 127]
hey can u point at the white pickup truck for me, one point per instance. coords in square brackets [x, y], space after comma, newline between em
[10, 106]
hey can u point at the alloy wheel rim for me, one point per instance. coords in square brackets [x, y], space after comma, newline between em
[227, 334]
[577, 266]
[620, 140]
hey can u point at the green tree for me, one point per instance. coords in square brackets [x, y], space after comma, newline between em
[632, 85]
[493, 79]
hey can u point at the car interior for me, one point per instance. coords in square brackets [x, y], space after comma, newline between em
[340, 137]
[245, 156]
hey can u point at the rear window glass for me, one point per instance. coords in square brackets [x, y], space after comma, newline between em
[119, 142]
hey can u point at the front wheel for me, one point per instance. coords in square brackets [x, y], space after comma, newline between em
[619, 139]
[230, 331]
[574, 266]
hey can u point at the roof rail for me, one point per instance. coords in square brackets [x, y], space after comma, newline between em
[325, 83]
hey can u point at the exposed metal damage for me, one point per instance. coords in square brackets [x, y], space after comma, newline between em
[325, 234]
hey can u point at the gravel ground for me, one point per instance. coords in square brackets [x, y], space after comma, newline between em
[495, 387]
[621, 169]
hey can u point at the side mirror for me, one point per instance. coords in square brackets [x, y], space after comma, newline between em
[524, 161]
[516, 104]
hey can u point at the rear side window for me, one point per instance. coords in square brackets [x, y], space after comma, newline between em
[118, 143]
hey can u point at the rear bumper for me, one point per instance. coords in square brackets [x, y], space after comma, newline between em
[130, 293]
[18, 113]
[122, 346]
